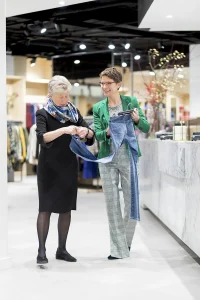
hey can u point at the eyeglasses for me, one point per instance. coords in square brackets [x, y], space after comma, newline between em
[106, 83]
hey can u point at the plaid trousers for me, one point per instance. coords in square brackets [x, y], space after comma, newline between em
[121, 226]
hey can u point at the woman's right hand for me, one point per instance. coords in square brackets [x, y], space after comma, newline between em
[70, 130]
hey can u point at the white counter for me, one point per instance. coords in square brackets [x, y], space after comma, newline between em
[170, 186]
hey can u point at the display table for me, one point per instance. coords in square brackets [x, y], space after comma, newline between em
[170, 186]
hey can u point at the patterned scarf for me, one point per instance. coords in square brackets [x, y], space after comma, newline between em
[62, 113]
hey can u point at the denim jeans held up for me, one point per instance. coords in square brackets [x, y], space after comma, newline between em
[121, 131]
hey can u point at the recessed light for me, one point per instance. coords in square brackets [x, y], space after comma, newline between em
[77, 61]
[43, 30]
[137, 57]
[76, 84]
[82, 46]
[111, 46]
[127, 46]
[124, 64]
[169, 16]
[62, 2]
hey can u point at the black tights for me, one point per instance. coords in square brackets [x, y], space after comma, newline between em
[43, 222]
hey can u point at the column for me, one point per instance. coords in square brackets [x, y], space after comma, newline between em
[5, 260]
[194, 81]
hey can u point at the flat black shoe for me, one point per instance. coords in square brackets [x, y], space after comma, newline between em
[110, 257]
[41, 260]
[65, 256]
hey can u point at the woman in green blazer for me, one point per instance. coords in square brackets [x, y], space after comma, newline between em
[121, 227]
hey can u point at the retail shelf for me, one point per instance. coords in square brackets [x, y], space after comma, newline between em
[37, 80]
[10, 79]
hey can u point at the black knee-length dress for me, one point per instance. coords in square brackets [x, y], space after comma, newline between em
[57, 172]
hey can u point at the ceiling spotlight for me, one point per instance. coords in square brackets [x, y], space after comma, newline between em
[127, 46]
[124, 64]
[137, 57]
[151, 73]
[32, 62]
[57, 27]
[82, 47]
[76, 84]
[43, 30]
[111, 46]
[62, 2]
[77, 61]
[26, 32]
[160, 45]
[169, 16]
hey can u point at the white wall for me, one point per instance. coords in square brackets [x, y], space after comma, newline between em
[194, 81]
[4, 259]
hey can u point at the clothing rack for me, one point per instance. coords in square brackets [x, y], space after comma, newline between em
[12, 122]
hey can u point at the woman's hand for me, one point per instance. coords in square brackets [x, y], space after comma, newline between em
[108, 132]
[135, 117]
[70, 129]
[82, 132]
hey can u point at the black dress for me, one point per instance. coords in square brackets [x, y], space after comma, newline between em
[57, 172]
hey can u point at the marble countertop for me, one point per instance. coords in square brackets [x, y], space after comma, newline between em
[177, 158]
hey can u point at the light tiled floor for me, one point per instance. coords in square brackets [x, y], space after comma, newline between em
[157, 269]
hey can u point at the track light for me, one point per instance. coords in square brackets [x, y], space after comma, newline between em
[82, 46]
[43, 30]
[32, 62]
[137, 57]
[160, 45]
[127, 46]
[124, 64]
[57, 27]
[26, 32]
[111, 46]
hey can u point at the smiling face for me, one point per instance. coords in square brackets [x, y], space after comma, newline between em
[109, 86]
[60, 98]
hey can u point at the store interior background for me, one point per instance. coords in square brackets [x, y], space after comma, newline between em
[31, 83]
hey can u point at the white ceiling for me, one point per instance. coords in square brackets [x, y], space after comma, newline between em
[185, 16]
[19, 7]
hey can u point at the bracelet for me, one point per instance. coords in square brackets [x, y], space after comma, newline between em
[87, 133]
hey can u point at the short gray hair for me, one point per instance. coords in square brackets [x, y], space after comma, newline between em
[58, 84]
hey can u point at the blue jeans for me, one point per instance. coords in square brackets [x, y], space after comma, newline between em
[121, 131]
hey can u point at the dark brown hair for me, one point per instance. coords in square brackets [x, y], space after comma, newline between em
[112, 73]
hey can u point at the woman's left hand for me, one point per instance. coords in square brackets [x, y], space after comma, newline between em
[82, 132]
[135, 116]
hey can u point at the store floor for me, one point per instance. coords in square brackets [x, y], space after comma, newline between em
[159, 268]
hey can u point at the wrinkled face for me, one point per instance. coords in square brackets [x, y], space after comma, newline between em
[60, 98]
[108, 86]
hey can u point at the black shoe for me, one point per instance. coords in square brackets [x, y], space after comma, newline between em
[42, 260]
[65, 256]
[110, 257]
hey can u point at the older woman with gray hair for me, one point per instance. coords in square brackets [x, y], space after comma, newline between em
[57, 165]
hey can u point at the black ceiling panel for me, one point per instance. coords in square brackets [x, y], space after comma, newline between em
[96, 24]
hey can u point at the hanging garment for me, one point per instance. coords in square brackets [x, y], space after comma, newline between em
[121, 131]
[32, 146]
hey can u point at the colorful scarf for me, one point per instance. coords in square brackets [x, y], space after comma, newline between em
[62, 113]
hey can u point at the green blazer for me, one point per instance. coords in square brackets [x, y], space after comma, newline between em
[101, 122]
